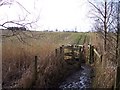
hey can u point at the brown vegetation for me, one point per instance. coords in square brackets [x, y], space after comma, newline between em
[105, 69]
[18, 61]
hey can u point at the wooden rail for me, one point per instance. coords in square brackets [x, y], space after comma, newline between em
[93, 54]
[95, 51]
[72, 52]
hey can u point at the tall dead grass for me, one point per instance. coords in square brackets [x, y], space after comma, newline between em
[105, 69]
[17, 57]
[17, 64]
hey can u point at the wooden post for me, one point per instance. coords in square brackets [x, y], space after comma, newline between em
[118, 79]
[101, 57]
[92, 54]
[91, 59]
[61, 50]
[80, 55]
[56, 52]
[72, 52]
[35, 63]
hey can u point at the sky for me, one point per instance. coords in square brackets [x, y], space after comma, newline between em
[51, 14]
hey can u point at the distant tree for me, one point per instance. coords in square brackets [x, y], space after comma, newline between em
[16, 28]
[56, 30]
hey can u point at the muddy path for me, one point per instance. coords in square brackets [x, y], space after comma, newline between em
[80, 79]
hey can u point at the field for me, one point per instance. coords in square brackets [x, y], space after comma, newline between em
[19, 51]
[18, 57]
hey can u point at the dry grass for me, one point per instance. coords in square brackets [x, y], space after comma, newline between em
[18, 61]
[18, 58]
[105, 70]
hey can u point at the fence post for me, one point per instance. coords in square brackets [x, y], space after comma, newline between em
[91, 59]
[63, 52]
[72, 52]
[56, 52]
[61, 49]
[92, 54]
[101, 57]
[80, 55]
[35, 63]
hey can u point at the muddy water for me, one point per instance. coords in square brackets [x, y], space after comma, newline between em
[80, 80]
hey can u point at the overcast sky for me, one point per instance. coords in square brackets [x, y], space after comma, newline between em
[60, 14]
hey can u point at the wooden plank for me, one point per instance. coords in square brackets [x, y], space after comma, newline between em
[67, 57]
[68, 47]
[68, 54]
[97, 53]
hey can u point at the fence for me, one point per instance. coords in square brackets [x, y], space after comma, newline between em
[97, 59]
[79, 52]
[72, 52]
[76, 52]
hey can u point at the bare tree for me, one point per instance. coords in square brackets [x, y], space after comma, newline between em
[103, 12]
[118, 30]
[21, 22]
[5, 2]
[107, 15]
